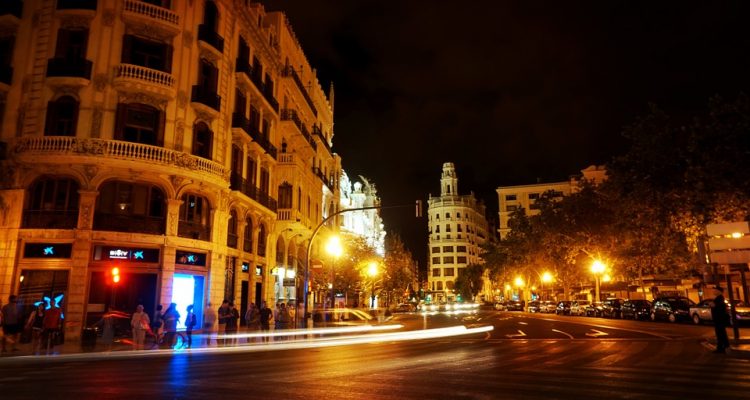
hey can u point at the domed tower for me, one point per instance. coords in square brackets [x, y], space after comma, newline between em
[449, 180]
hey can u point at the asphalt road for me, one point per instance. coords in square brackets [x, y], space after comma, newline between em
[525, 356]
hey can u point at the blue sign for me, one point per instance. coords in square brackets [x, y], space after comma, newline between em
[47, 250]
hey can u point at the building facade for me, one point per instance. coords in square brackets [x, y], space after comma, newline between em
[457, 226]
[187, 144]
[366, 224]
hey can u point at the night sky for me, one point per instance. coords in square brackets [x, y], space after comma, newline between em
[511, 92]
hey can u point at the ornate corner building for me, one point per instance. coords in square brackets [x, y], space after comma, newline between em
[457, 227]
[187, 143]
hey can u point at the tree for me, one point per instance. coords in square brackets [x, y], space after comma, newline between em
[399, 269]
[469, 281]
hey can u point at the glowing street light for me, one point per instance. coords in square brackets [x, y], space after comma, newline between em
[518, 282]
[373, 271]
[597, 268]
[547, 277]
[334, 248]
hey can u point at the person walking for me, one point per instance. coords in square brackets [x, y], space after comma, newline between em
[233, 321]
[252, 319]
[265, 319]
[171, 318]
[283, 317]
[140, 324]
[107, 324]
[190, 322]
[35, 324]
[52, 324]
[156, 323]
[720, 316]
[12, 323]
[209, 320]
[223, 314]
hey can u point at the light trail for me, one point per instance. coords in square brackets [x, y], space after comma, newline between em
[314, 331]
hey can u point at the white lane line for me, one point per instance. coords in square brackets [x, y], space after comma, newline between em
[516, 335]
[564, 333]
[523, 323]
[596, 333]
[610, 327]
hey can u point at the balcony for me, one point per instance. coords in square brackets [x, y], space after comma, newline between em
[76, 5]
[319, 133]
[193, 230]
[328, 182]
[50, 219]
[136, 78]
[153, 16]
[129, 223]
[286, 158]
[262, 90]
[6, 75]
[11, 7]
[242, 185]
[289, 72]
[208, 35]
[66, 149]
[210, 101]
[63, 71]
[291, 115]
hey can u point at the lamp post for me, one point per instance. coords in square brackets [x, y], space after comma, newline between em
[334, 249]
[597, 268]
[372, 271]
[546, 278]
[519, 284]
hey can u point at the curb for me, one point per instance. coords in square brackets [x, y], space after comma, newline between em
[733, 351]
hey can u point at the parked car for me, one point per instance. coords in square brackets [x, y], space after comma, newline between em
[534, 306]
[405, 307]
[578, 307]
[501, 306]
[517, 305]
[671, 309]
[636, 309]
[594, 309]
[563, 308]
[612, 308]
[701, 312]
[548, 307]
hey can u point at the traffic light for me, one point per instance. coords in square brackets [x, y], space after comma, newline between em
[419, 209]
[115, 275]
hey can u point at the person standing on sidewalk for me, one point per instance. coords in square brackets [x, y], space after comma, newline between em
[12, 323]
[171, 318]
[720, 316]
[140, 323]
[190, 322]
[252, 319]
[265, 319]
[233, 321]
[223, 315]
[52, 324]
[209, 319]
[35, 323]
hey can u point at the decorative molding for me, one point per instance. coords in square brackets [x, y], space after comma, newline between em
[182, 99]
[108, 17]
[209, 56]
[179, 134]
[96, 122]
[187, 38]
[84, 217]
[140, 97]
[205, 116]
[150, 31]
[88, 146]
[75, 21]
[90, 170]
[177, 182]
[65, 90]
[100, 82]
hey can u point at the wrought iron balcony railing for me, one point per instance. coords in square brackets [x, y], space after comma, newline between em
[208, 34]
[202, 95]
[193, 230]
[129, 223]
[246, 187]
[50, 219]
[290, 72]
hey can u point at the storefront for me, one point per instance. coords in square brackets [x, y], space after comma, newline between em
[189, 284]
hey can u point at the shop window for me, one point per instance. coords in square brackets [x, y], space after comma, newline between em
[195, 217]
[202, 140]
[262, 240]
[146, 53]
[232, 230]
[48, 286]
[139, 123]
[62, 117]
[52, 203]
[130, 207]
[247, 239]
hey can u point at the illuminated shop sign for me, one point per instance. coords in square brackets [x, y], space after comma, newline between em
[190, 258]
[258, 270]
[245, 266]
[47, 250]
[131, 254]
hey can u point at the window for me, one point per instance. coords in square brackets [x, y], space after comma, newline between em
[437, 216]
[139, 123]
[251, 171]
[461, 259]
[146, 53]
[71, 44]
[533, 196]
[458, 215]
[262, 240]
[247, 239]
[447, 227]
[52, 203]
[458, 228]
[447, 215]
[436, 249]
[448, 260]
[202, 140]
[299, 199]
[510, 197]
[461, 249]
[264, 179]
[511, 208]
[208, 77]
[266, 130]
[436, 272]
[447, 249]
[240, 103]
[62, 117]
[437, 228]
[232, 229]
[211, 15]
[195, 217]
[236, 160]
[285, 195]
[440, 286]
[449, 271]
[130, 207]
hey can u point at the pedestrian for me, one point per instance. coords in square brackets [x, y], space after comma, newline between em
[265, 319]
[720, 316]
[190, 322]
[107, 324]
[252, 319]
[157, 323]
[35, 324]
[52, 324]
[12, 323]
[209, 320]
[140, 324]
[282, 317]
[223, 315]
[233, 321]
[171, 318]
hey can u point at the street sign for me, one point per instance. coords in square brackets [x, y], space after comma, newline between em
[289, 282]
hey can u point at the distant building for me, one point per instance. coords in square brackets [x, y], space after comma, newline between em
[512, 198]
[457, 227]
[364, 223]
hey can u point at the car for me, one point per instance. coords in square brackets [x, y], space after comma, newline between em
[612, 308]
[517, 305]
[636, 309]
[701, 312]
[342, 317]
[578, 307]
[671, 309]
[594, 309]
[500, 306]
[548, 307]
[405, 307]
[563, 308]
[534, 306]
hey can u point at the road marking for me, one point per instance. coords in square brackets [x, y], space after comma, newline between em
[596, 333]
[523, 323]
[515, 335]
[564, 333]
[610, 327]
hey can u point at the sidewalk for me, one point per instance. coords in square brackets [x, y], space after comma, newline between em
[739, 348]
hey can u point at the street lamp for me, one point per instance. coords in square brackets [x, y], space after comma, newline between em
[546, 278]
[372, 271]
[519, 284]
[334, 249]
[597, 268]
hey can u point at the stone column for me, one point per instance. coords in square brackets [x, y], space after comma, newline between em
[173, 216]
[167, 275]
[11, 213]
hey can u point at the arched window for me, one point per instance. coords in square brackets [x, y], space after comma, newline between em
[285, 195]
[139, 123]
[195, 217]
[52, 203]
[130, 207]
[262, 240]
[62, 117]
[232, 229]
[247, 239]
[280, 251]
[202, 140]
[291, 255]
[211, 15]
